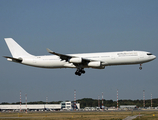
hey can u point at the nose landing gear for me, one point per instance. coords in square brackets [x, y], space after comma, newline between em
[80, 71]
[140, 67]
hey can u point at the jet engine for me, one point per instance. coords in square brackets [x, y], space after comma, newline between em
[75, 60]
[94, 64]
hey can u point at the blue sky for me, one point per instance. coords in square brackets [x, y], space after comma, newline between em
[78, 27]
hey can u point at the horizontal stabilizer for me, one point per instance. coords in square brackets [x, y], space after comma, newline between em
[19, 60]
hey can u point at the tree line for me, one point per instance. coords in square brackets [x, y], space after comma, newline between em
[89, 102]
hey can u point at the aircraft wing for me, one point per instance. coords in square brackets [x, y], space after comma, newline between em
[67, 57]
[62, 56]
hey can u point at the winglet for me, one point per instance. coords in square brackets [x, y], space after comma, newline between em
[53, 52]
[49, 50]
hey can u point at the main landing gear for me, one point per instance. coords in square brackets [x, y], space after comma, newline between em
[80, 71]
[140, 66]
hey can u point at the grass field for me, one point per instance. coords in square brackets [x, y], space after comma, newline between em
[119, 115]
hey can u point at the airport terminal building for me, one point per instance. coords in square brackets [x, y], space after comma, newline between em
[128, 107]
[41, 107]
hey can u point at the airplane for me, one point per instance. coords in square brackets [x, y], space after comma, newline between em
[78, 61]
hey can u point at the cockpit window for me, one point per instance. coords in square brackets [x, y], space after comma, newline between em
[149, 54]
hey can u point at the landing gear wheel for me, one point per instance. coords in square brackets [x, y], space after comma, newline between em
[82, 71]
[140, 68]
[79, 71]
[79, 74]
[76, 73]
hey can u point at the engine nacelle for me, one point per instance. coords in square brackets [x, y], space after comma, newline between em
[75, 60]
[94, 64]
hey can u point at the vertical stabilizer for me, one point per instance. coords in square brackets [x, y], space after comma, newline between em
[15, 49]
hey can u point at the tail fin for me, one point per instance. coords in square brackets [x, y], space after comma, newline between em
[15, 49]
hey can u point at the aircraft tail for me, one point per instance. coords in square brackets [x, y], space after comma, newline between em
[16, 50]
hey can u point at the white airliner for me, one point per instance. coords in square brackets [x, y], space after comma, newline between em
[79, 61]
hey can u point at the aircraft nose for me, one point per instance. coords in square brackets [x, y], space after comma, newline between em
[152, 57]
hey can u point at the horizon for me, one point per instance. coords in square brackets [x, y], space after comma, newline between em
[77, 100]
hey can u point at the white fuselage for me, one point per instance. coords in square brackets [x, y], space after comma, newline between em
[79, 61]
[106, 59]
